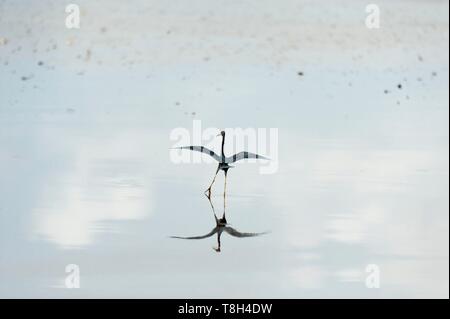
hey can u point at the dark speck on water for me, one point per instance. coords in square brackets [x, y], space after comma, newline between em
[399, 86]
[300, 73]
[386, 91]
[40, 63]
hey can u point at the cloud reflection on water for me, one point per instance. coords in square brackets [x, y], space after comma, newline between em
[105, 180]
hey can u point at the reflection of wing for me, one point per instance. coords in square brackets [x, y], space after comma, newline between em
[242, 155]
[212, 232]
[203, 150]
[235, 233]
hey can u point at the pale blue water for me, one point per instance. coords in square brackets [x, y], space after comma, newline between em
[86, 176]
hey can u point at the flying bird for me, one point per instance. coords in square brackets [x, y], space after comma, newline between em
[224, 161]
[221, 226]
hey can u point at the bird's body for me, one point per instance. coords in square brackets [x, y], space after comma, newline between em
[222, 222]
[224, 161]
[224, 166]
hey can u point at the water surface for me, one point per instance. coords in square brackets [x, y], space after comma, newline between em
[86, 176]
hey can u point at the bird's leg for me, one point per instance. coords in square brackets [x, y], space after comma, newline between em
[225, 190]
[214, 212]
[208, 190]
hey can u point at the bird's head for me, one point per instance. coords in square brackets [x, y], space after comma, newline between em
[217, 249]
[222, 133]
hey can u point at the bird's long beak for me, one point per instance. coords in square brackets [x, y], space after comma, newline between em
[219, 134]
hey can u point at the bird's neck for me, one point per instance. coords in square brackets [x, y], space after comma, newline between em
[223, 144]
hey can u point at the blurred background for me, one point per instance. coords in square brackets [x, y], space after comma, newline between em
[86, 177]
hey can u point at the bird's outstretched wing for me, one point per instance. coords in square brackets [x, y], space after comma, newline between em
[242, 155]
[212, 232]
[201, 149]
[235, 233]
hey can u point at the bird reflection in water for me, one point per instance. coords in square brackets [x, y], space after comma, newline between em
[221, 226]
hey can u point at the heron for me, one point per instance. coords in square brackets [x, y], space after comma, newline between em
[224, 161]
[222, 225]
